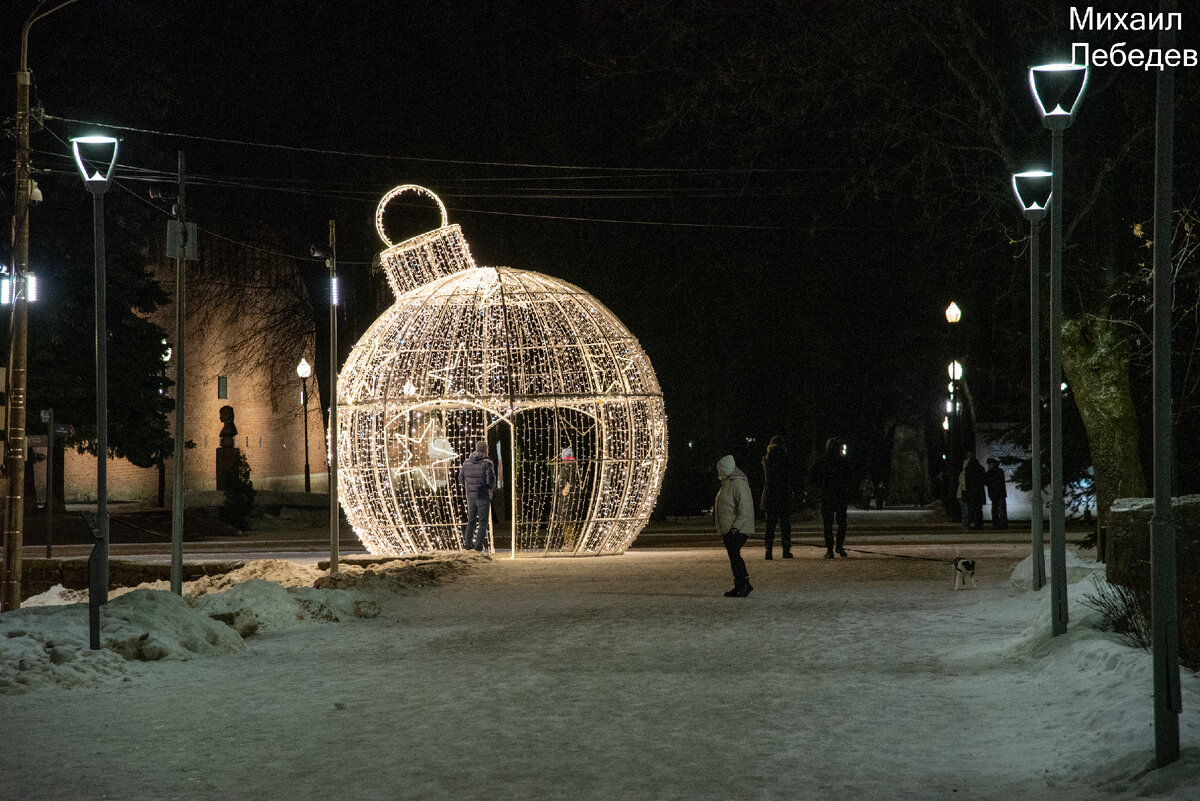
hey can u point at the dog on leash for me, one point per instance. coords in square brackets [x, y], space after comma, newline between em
[964, 571]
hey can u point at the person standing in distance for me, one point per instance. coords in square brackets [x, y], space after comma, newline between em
[733, 512]
[831, 475]
[478, 478]
[777, 496]
[993, 479]
[973, 489]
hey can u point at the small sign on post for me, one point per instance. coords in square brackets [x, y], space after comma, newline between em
[181, 241]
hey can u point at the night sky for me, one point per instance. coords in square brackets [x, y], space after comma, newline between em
[707, 170]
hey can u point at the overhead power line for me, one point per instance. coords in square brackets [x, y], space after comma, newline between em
[428, 160]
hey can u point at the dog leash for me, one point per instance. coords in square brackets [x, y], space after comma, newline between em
[876, 553]
[881, 553]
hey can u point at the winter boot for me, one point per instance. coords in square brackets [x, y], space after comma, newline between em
[840, 551]
[734, 593]
[746, 589]
[787, 554]
[829, 554]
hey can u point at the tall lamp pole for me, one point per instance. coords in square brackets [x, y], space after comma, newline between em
[1164, 627]
[1033, 191]
[97, 184]
[14, 516]
[304, 371]
[1058, 89]
[953, 316]
[334, 512]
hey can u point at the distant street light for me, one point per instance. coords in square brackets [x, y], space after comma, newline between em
[953, 313]
[1058, 90]
[955, 370]
[97, 183]
[304, 371]
[1033, 191]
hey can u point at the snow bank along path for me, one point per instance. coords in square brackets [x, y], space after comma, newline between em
[613, 678]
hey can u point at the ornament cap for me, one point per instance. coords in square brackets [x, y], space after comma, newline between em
[425, 257]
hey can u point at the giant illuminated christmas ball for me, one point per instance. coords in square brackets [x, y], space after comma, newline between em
[561, 391]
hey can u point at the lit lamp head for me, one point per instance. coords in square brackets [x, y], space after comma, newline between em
[28, 282]
[98, 149]
[1032, 189]
[955, 370]
[953, 313]
[303, 369]
[1058, 89]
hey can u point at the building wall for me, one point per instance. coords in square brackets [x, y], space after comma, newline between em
[268, 416]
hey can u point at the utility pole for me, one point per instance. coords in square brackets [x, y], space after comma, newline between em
[14, 457]
[185, 246]
[334, 512]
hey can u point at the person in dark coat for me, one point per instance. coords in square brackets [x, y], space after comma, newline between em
[973, 490]
[831, 475]
[777, 496]
[993, 479]
[478, 478]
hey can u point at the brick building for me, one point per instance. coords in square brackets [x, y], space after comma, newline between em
[219, 372]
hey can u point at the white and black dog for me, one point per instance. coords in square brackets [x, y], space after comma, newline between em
[964, 571]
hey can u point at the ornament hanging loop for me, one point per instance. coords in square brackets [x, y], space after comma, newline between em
[396, 192]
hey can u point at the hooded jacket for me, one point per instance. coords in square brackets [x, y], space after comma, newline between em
[734, 506]
[478, 475]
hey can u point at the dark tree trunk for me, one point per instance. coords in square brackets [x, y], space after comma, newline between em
[1096, 357]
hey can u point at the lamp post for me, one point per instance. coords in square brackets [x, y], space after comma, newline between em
[304, 371]
[1058, 90]
[14, 457]
[1164, 617]
[953, 316]
[334, 512]
[97, 184]
[1033, 191]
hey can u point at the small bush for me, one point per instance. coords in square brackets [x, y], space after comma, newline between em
[1125, 611]
[239, 495]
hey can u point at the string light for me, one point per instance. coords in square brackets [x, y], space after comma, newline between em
[563, 393]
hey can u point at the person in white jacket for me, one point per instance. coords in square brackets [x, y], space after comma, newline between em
[733, 512]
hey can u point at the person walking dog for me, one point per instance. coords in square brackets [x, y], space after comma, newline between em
[733, 512]
[831, 475]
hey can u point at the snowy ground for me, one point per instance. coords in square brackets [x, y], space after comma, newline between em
[616, 678]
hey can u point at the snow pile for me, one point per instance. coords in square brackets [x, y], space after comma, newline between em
[46, 641]
[42, 646]
[1077, 570]
[402, 575]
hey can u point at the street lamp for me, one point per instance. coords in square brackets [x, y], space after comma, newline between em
[304, 371]
[330, 257]
[1058, 90]
[1034, 191]
[97, 183]
[953, 313]
[1164, 615]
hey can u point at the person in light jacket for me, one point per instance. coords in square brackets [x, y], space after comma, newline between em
[733, 512]
[478, 477]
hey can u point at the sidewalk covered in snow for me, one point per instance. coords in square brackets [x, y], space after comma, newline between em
[618, 678]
